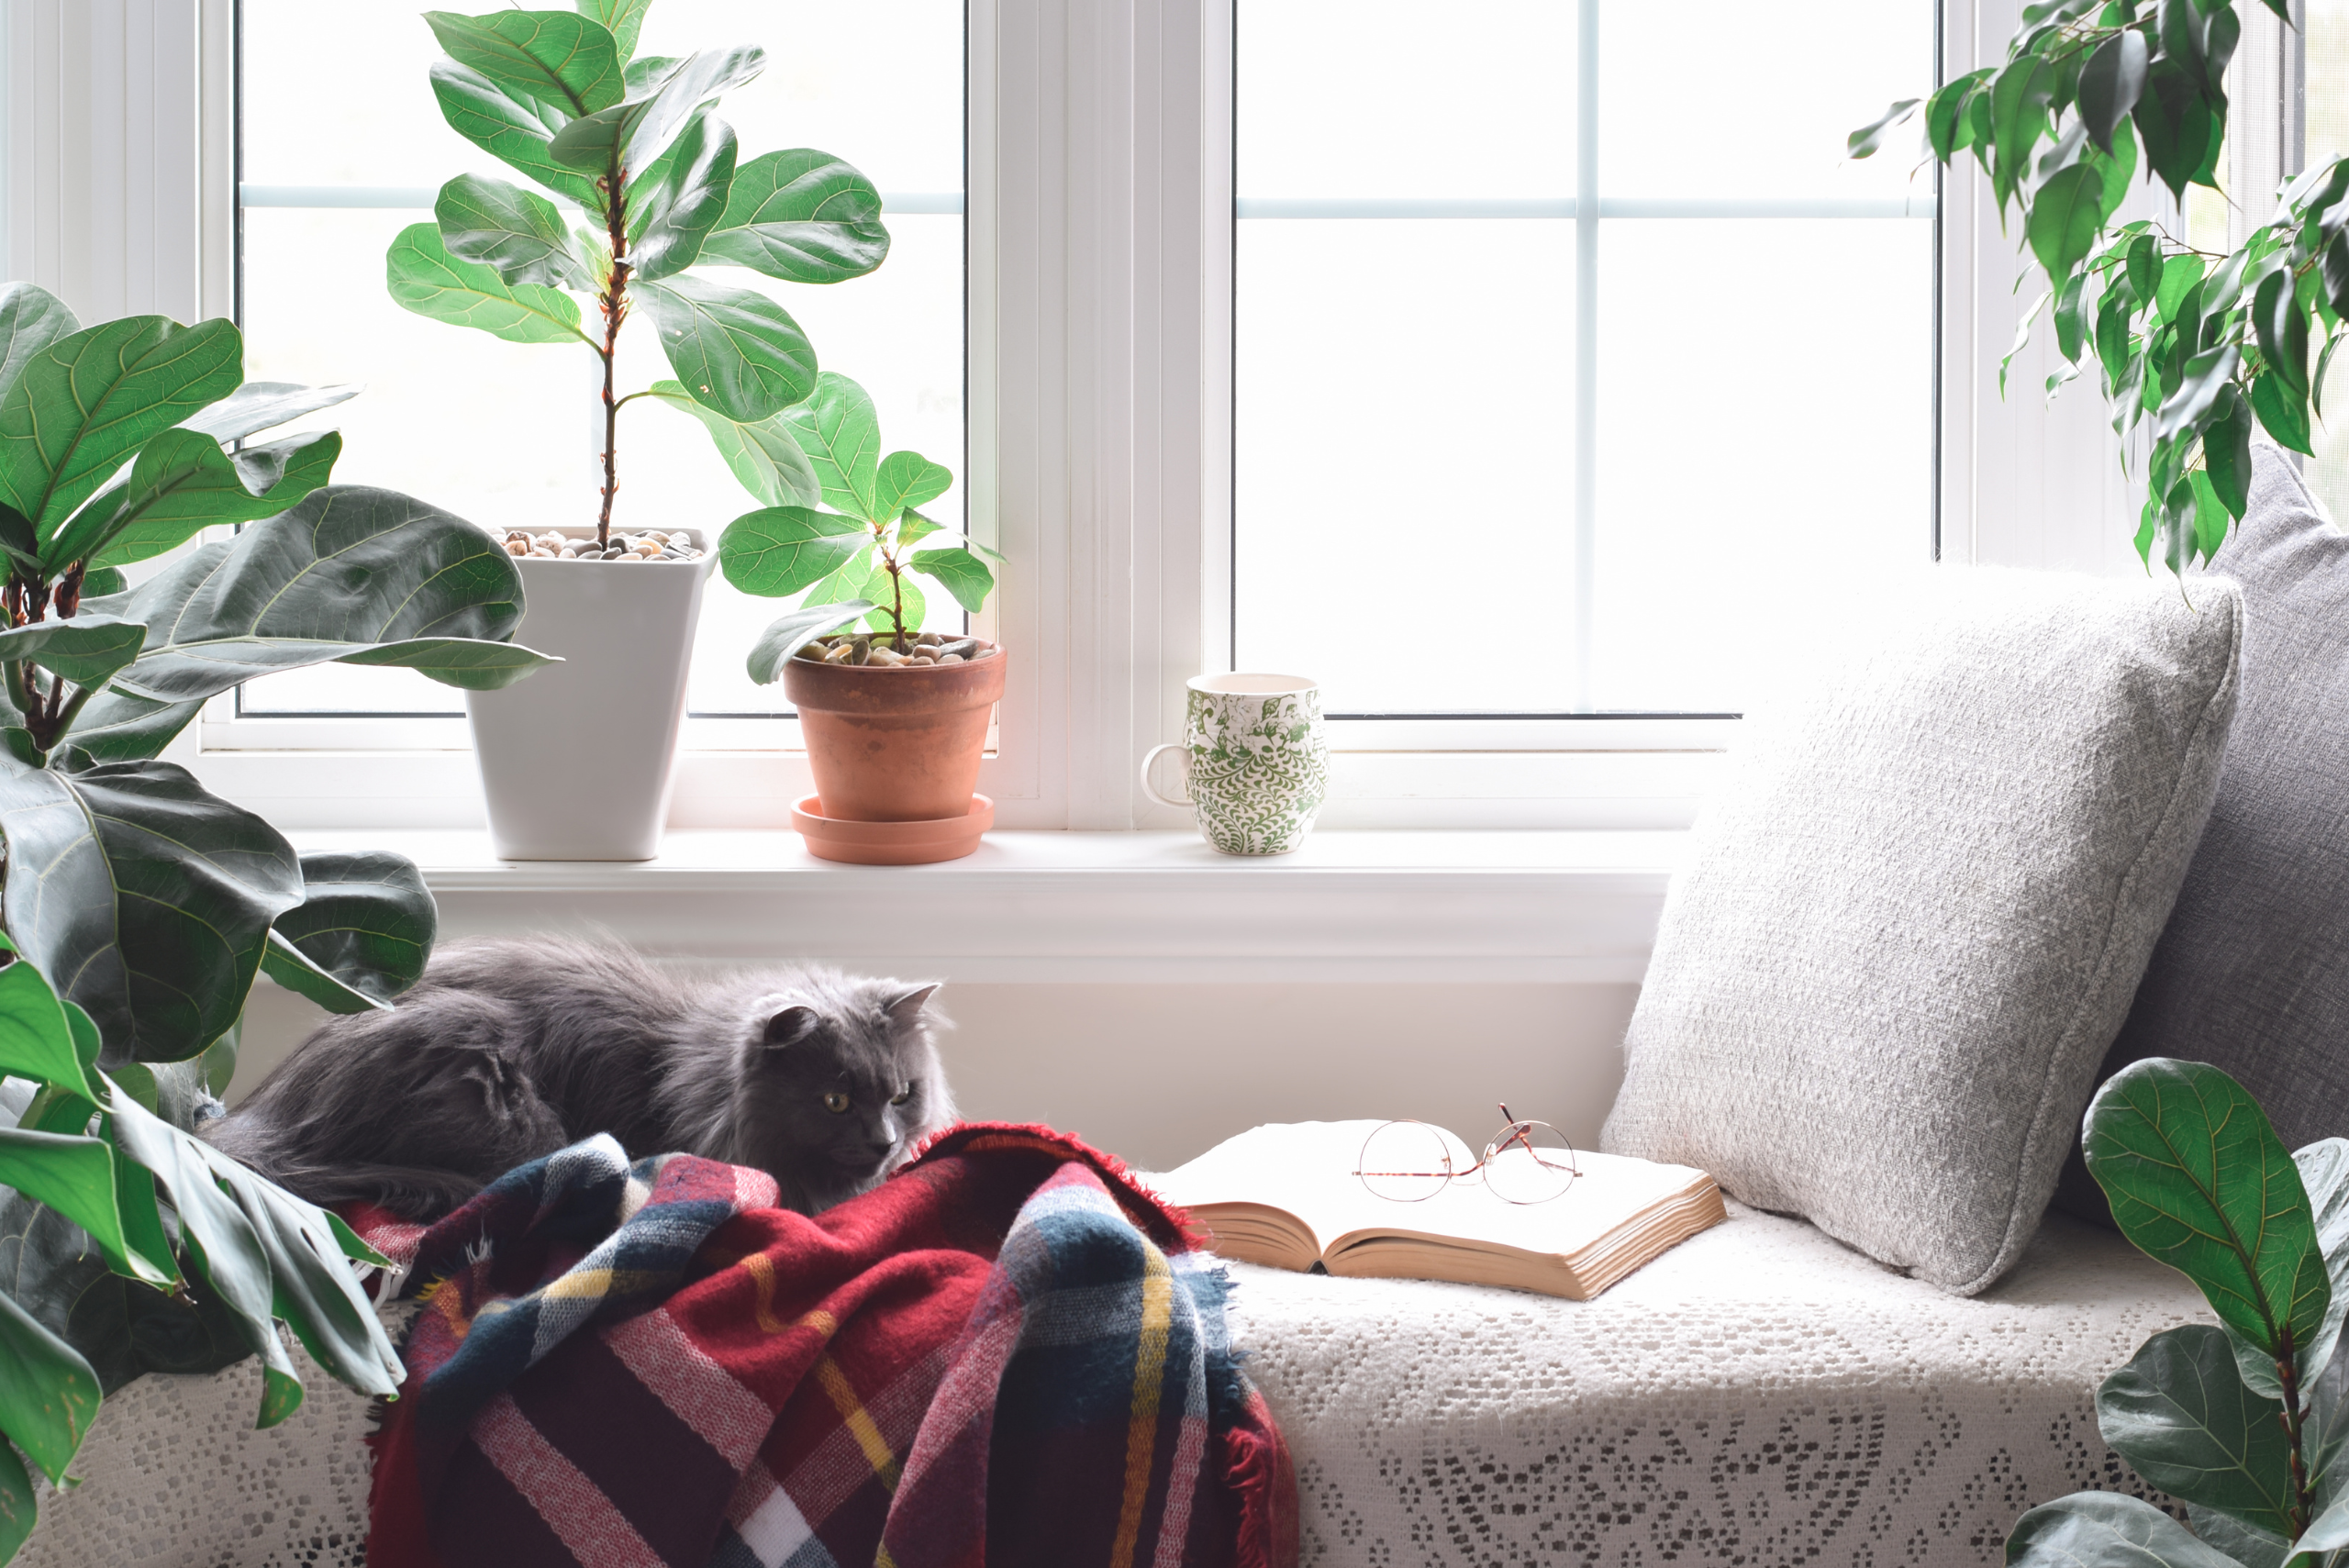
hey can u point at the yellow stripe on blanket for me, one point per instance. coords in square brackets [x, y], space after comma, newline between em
[1150, 1370]
[859, 1422]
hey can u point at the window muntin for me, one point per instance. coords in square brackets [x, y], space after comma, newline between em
[1567, 356]
[506, 434]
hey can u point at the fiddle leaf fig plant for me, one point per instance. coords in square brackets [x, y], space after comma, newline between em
[854, 556]
[2244, 1421]
[636, 146]
[2192, 347]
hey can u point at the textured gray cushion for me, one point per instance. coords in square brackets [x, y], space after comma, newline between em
[2253, 974]
[1913, 920]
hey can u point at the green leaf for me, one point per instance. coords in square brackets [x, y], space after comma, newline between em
[514, 233]
[31, 318]
[258, 405]
[762, 453]
[2198, 392]
[1947, 124]
[913, 527]
[2145, 266]
[2336, 274]
[888, 594]
[846, 583]
[2019, 103]
[184, 483]
[425, 278]
[790, 633]
[2116, 172]
[49, 1396]
[621, 18]
[86, 649]
[842, 436]
[73, 1176]
[485, 117]
[2226, 450]
[645, 77]
[36, 1040]
[2283, 329]
[2173, 125]
[559, 58]
[2180, 276]
[2323, 365]
[2282, 413]
[2023, 336]
[119, 728]
[2110, 83]
[2198, 1181]
[353, 575]
[907, 479]
[964, 575]
[18, 1510]
[2106, 1529]
[1863, 142]
[83, 405]
[366, 920]
[735, 350]
[780, 549]
[152, 901]
[2179, 1415]
[673, 208]
[802, 215]
[2069, 328]
[630, 135]
[298, 972]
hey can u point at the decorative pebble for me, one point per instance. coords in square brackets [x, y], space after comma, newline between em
[517, 547]
[965, 646]
[884, 656]
[949, 659]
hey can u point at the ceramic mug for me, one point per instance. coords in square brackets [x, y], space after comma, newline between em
[1256, 759]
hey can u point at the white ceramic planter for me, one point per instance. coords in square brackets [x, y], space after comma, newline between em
[576, 760]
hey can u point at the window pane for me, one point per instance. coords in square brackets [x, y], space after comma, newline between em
[1407, 522]
[1403, 442]
[508, 435]
[2326, 31]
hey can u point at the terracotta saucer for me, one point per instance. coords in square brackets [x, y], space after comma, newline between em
[891, 843]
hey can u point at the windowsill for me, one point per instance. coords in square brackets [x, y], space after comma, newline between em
[1045, 907]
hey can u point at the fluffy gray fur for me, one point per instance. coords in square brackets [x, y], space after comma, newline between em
[507, 1051]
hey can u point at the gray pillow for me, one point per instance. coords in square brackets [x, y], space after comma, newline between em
[2253, 974]
[1913, 919]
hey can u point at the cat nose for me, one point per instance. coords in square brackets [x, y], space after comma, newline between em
[883, 1150]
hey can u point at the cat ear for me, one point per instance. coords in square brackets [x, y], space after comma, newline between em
[906, 1011]
[789, 1027]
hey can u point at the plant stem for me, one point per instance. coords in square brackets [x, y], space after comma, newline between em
[615, 307]
[21, 689]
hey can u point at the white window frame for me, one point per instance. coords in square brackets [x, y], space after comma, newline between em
[1099, 372]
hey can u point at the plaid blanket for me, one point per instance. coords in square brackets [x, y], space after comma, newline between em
[1006, 1354]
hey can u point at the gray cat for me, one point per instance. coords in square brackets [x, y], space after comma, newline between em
[507, 1051]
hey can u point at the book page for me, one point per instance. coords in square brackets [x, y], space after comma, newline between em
[1306, 1168]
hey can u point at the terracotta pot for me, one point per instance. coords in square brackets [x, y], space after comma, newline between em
[899, 743]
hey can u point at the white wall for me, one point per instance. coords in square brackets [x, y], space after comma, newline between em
[1156, 1073]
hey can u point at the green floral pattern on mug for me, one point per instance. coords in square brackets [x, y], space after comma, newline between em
[1259, 768]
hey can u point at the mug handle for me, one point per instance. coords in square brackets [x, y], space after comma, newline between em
[1151, 790]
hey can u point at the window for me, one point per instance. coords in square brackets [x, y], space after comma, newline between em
[1568, 350]
[336, 161]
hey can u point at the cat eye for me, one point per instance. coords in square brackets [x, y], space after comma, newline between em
[836, 1102]
[902, 1095]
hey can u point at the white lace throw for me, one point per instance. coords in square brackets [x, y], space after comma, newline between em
[1759, 1395]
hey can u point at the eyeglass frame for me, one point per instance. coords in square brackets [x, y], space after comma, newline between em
[1513, 1131]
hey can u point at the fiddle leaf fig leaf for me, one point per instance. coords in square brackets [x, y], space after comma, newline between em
[907, 479]
[762, 453]
[31, 318]
[963, 574]
[735, 350]
[779, 550]
[790, 633]
[49, 1396]
[258, 405]
[366, 922]
[2106, 1529]
[83, 405]
[86, 650]
[2198, 1181]
[2181, 1417]
[621, 18]
[566, 61]
[184, 483]
[631, 134]
[426, 279]
[676, 203]
[842, 436]
[802, 215]
[518, 235]
[353, 575]
[36, 1040]
[73, 1176]
[477, 110]
[119, 728]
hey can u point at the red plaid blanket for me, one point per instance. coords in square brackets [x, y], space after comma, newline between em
[1007, 1355]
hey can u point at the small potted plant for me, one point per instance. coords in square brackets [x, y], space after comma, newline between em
[578, 767]
[894, 716]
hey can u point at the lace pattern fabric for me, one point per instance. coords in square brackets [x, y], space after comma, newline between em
[174, 1473]
[1760, 1395]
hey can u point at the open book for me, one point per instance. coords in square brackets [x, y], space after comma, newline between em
[1286, 1196]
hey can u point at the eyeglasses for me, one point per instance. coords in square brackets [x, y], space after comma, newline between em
[1410, 1161]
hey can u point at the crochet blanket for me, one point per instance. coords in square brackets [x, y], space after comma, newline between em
[1008, 1353]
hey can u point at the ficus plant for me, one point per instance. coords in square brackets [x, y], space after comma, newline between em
[2244, 1421]
[855, 556]
[137, 908]
[635, 147]
[2193, 348]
